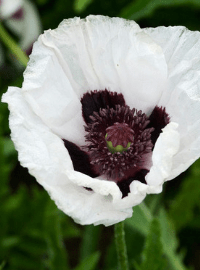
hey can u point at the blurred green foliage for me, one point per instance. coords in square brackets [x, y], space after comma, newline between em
[153, 250]
[143, 8]
[80, 5]
[34, 234]
[185, 210]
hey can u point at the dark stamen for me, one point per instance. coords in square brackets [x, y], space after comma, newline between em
[118, 166]
[106, 115]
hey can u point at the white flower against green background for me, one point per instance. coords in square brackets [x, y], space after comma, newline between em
[107, 113]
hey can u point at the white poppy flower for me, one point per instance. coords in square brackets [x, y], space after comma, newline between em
[22, 18]
[99, 80]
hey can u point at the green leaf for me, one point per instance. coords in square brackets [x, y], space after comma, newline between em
[69, 228]
[90, 263]
[143, 8]
[153, 251]
[154, 202]
[81, 5]
[170, 242]
[91, 235]
[8, 147]
[23, 261]
[14, 48]
[137, 266]
[140, 219]
[2, 265]
[183, 208]
[10, 241]
[57, 255]
[22, 240]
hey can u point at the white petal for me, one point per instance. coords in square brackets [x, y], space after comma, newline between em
[40, 150]
[87, 207]
[32, 25]
[95, 53]
[51, 95]
[182, 99]
[9, 7]
[44, 154]
[137, 194]
[99, 53]
[167, 145]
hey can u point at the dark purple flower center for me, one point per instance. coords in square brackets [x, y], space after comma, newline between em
[116, 165]
[119, 140]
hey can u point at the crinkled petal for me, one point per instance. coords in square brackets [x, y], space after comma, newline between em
[95, 208]
[182, 98]
[44, 154]
[92, 54]
[51, 96]
[165, 148]
[117, 207]
[40, 150]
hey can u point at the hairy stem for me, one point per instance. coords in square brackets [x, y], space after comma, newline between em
[121, 246]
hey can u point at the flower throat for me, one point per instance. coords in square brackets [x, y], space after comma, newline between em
[119, 140]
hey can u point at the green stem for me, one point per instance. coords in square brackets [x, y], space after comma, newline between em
[11, 44]
[121, 246]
